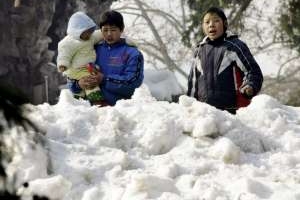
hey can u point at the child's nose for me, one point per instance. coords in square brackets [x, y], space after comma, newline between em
[109, 32]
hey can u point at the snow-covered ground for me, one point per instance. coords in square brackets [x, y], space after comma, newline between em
[148, 149]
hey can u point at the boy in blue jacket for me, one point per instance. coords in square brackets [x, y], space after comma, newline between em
[224, 73]
[121, 65]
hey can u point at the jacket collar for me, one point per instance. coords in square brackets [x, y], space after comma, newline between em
[227, 35]
[121, 42]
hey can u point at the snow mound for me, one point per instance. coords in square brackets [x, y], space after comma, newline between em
[147, 149]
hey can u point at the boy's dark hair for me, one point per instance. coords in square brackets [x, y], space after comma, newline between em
[113, 18]
[219, 12]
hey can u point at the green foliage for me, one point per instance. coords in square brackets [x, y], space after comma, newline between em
[290, 23]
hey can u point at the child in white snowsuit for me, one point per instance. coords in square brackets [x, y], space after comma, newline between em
[76, 54]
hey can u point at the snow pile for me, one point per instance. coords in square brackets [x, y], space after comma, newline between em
[148, 149]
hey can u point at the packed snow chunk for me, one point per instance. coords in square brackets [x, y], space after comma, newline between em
[168, 170]
[66, 99]
[252, 186]
[54, 188]
[30, 159]
[284, 159]
[208, 191]
[213, 193]
[142, 95]
[168, 196]
[273, 117]
[205, 127]
[186, 101]
[162, 83]
[186, 182]
[111, 192]
[263, 101]
[160, 136]
[247, 139]
[144, 186]
[92, 194]
[226, 150]
[104, 158]
[261, 190]
[291, 141]
[109, 129]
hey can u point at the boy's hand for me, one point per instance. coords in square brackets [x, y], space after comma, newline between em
[247, 90]
[62, 68]
[91, 81]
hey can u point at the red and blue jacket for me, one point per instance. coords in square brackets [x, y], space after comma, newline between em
[219, 69]
[123, 68]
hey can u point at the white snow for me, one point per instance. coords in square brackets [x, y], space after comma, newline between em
[162, 84]
[148, 149]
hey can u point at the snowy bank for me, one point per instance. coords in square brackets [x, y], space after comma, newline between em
[148, 149]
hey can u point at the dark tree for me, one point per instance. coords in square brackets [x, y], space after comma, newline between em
[30, 31]
[290, 23]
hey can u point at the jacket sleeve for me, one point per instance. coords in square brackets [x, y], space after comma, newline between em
[253, 74]
[65, 51]
[131, 78]
[97, 36]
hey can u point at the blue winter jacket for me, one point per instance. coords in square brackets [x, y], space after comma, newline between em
[123, 68]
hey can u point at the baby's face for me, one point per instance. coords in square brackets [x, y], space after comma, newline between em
[213, 26]
[87, 34]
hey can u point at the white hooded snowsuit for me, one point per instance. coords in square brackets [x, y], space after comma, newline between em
[75, 53]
